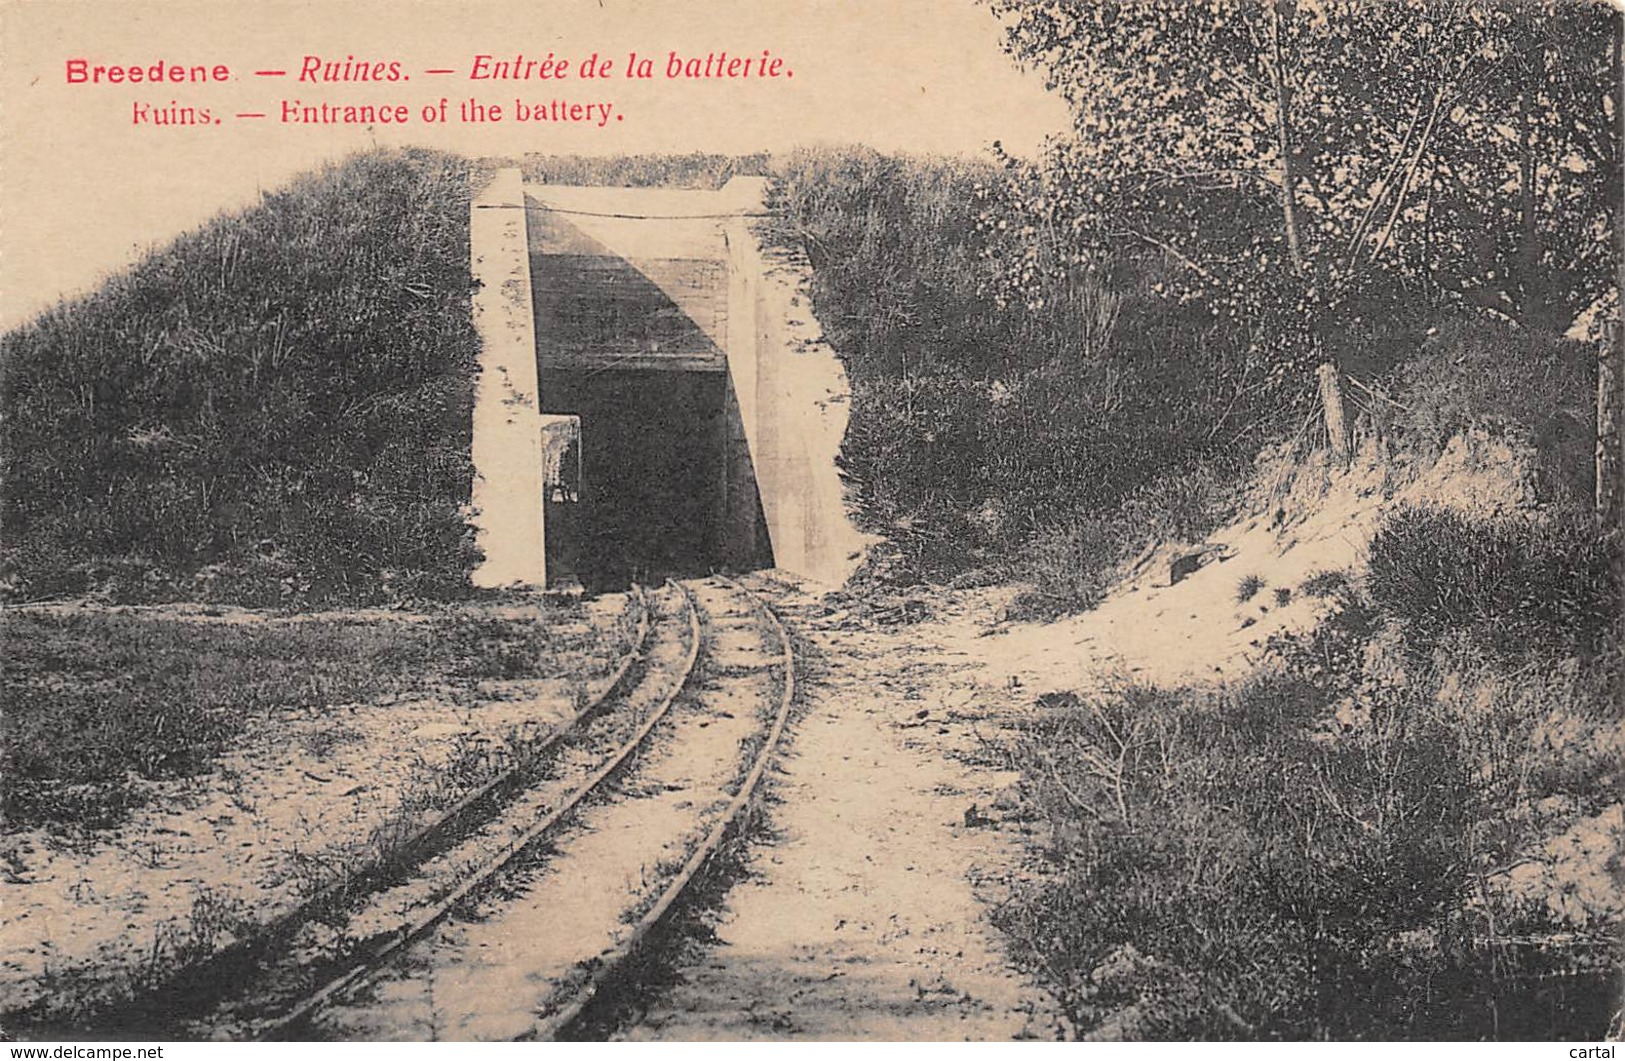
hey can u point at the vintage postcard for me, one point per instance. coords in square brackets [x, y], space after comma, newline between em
[934, 520]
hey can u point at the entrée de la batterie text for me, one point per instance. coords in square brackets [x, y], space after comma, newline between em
[481, 68]
[314, 69]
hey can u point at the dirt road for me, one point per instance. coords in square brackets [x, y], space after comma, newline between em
[866, 914]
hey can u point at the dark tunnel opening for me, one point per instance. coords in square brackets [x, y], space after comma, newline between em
[635, 347]
[663, 492]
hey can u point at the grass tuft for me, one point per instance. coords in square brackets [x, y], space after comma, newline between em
[1513, 588]
[1248, 588]
[1325, 584]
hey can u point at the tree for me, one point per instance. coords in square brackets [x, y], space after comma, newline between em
[1321, 172]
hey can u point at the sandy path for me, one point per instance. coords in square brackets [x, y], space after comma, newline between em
[862, 920]
[485, 973]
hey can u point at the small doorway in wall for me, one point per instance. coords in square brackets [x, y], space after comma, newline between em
[561, 499]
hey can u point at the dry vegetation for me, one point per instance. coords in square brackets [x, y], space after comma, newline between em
[276, 411]
[1407, 825]
[98, 703]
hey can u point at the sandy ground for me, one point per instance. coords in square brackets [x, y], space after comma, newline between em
[300, 798]
[895, 831]
[893, 828]
[867, 915]
[1313, 519]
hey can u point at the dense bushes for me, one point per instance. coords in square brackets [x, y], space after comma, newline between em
[1406, 828]
[1072, 562]
[1229, 865]
[1513, 588]
[979, 427]
[275, 406]
[1481, 373]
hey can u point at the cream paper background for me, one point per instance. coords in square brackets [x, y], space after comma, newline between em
[84, 191]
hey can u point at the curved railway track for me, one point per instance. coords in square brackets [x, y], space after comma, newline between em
[569, 1006]
[200, 988]
[547, 885]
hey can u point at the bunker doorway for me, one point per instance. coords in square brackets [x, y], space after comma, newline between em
[561, 498]
[666, 488]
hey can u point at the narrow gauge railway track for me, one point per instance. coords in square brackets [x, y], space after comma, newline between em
[537, 929]
[569, 1006]
[201, 987]
[296, 970]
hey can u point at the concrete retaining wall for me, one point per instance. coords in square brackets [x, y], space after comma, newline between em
[507, 447]
[793, 399]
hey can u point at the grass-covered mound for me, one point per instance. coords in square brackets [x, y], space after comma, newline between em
[696, 170]
[276, 406]
[985, 431]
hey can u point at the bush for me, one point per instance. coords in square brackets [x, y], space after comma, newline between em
[1072, 562]
[695, 170]
[291, 386]
[1479, 373]
[982, 431]
[1513, 588]
[1226, 868]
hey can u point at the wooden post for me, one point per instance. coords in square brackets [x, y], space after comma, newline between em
[1331, 396]
[1609, 383]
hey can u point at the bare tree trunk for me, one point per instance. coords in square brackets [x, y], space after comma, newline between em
[1337, 426]
[1283, 138]
[1609, 383]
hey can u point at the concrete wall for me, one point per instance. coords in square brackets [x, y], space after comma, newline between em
[793, 399]
[786, 408]
[507, 447]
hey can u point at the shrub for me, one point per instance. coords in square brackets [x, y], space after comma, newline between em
[1324, 583]
[1478, 373]
[1248, 588]
[1072, 561]
[1513, 588]
[696, 170]
[1225, 869]
[981, 432]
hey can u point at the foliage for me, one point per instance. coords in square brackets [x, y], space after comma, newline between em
[1073, 561]
[1227, 865]
[1322, 174]
[974, 429]
[1479, 374]
[1512, 588]
[275, 406]
[1324, 584]
[898, 269]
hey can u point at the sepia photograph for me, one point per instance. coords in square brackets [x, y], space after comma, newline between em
[1004, 521]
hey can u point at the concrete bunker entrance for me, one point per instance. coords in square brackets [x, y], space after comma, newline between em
[659, 497]
[631, 331]
[653, 398]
